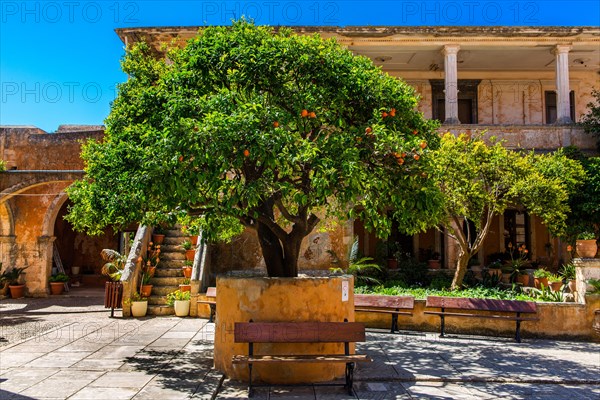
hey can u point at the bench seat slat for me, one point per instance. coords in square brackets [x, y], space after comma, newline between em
[207, 302]
[381, 310]
[509, 317]
[299, 332]
[318, 358]
[462, 303]
[382, 301]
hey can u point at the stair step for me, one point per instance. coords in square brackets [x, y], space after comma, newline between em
[175, 240]
[167, 281]
[164, 290]
[171, 248]
[170, 264]
[157, 300]
[174, 233]
[169, 273]
[172, 256]
[160, 310]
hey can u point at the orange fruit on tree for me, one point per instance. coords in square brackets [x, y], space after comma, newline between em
[415, 132]
[312, 114]
[403, 154]
[416, 157]
[304, 113]
[368, 130]
[393, 112]
[246, 153]
[180, 158]
[384, 114]
[359, 139]
[400, 161]
[276, 124]
[423, 144]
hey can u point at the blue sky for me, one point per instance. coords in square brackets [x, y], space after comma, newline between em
[59, 60]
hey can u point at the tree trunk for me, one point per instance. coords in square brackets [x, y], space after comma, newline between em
[461, 269]
[271, 250]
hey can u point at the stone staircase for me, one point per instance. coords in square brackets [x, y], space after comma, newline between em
[168, 274]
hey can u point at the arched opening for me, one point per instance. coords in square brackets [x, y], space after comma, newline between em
[77, 249]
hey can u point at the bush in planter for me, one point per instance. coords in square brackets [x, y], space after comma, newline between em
[180, 301]
[13, 277]
[115, 263]
[61, 277]
[139, 305]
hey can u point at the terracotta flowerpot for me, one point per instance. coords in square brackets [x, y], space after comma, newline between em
[572, 284]
[185, 288]
[523, 279]
[182, 308]
[539, 282]
[158, 238]
[146, 290]
[555, 286]
[139, 308]
[190, 254]
[392, 263]
[495, 271]
[586, 248]
[434, 264]
[57, 287]
[187, 272]
[194, 240]
[506, 278]
[16, 291]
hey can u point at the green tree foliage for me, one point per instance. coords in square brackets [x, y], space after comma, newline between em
[591, 120]
[584, 202]
[263, 129]
[479, 181]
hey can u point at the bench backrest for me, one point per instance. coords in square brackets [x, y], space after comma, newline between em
[298, 332]
[461, 303]
[211, 292]
[373, 300]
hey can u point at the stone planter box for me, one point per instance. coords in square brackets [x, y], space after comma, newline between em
[280, 299]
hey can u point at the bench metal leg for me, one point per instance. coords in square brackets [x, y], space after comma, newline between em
[350, 378]
[394, 323]
[212, 313]
[250, 390]
[442, 325]
[518, 332]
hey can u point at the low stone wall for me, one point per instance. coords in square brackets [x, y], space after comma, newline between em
[242, 299]
[556, 320]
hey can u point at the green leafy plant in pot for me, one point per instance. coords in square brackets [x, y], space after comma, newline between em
[57, 283]
[13, 277]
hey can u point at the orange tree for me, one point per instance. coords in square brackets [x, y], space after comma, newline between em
[254, 127]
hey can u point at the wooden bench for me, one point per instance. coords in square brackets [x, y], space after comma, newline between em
[385, 304]
[211, 300]
[300, 332]
[497, 309]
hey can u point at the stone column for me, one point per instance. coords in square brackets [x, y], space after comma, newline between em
[451, 83]
[563, 107]
[37, 275]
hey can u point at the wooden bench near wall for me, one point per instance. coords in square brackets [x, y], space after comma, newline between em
[211, 300]
[385, 304]
[495, 309]
[300, 332]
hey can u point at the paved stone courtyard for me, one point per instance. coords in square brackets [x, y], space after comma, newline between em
[68, 348]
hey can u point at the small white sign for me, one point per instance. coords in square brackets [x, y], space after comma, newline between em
[345, 290]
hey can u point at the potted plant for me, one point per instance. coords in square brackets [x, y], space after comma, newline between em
[158, 235]
[393, 254]
[13, 277]
[3, 282]
[190, 252]
[146, 287]
[555, 282]
[540, 278]
[150, 262]
[180, 302]
[185, 285]
[568, 273]
[187, 268]
[495, 268]
[57, 283]
[586, 245]
[515, 267]
[139, 305]
[434, 260]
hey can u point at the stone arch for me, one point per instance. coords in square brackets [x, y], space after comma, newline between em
[24, 186]
[52, 213]
[7, 222]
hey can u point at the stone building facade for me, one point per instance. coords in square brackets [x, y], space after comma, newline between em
[523, 85]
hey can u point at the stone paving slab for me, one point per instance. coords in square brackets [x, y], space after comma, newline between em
[60, 351]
